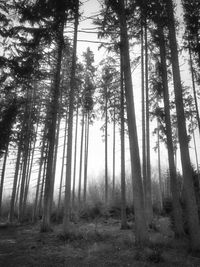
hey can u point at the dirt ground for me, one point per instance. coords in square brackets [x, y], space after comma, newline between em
[95, 244]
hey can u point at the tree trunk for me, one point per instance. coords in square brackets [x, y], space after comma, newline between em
[3, 176]
[144, 165]
[138, 196]
[189, 194]
[194, 88]
[177, 212]
[123, 174]
[67, 205]
[87, 129]
[35, 209]
[159, 169]
[14, 188]
[114, 146]
[148, 197]
[62, 167]
[75, 156]
[45, 226]
[106, 146]
[81, 160]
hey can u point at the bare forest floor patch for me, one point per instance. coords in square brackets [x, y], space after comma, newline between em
[97, 243]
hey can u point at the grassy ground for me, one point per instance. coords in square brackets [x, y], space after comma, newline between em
[96, 243]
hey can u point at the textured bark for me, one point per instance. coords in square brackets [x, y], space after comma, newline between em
[189, 194]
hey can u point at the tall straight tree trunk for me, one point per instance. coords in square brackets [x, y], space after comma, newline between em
[194, 88]
[159, 168]
[14, 188]
[189, 193]
[55, 156]
[2, 177]
[144, 165]
[62, 166]
[87, 131]
[44, 171]
[138, 196]
[114, 147]
[67, 206]
[148, 196]
[81, 159]
[45, 226]
[106, 146]
[38, 185]
[75, 157]
[177, 211]
[26, 150]
[19, 181]
[123, 174]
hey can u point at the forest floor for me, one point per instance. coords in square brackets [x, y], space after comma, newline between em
[97, 243]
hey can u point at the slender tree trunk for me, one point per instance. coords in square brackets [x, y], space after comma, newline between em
[55, 157]
[81, 160]
[194, 89]
[138, 196]
[14, 188]
[41, 197]
[114, 146]
[159, 168]
[106, 146]
[62, 168]
[144, 165]
[123, 174]
[75, 157]
[189, 194]
[177, 211]
[66, 219]
[35, 209]
[148, 196]
[3, 176]
[87, 130]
